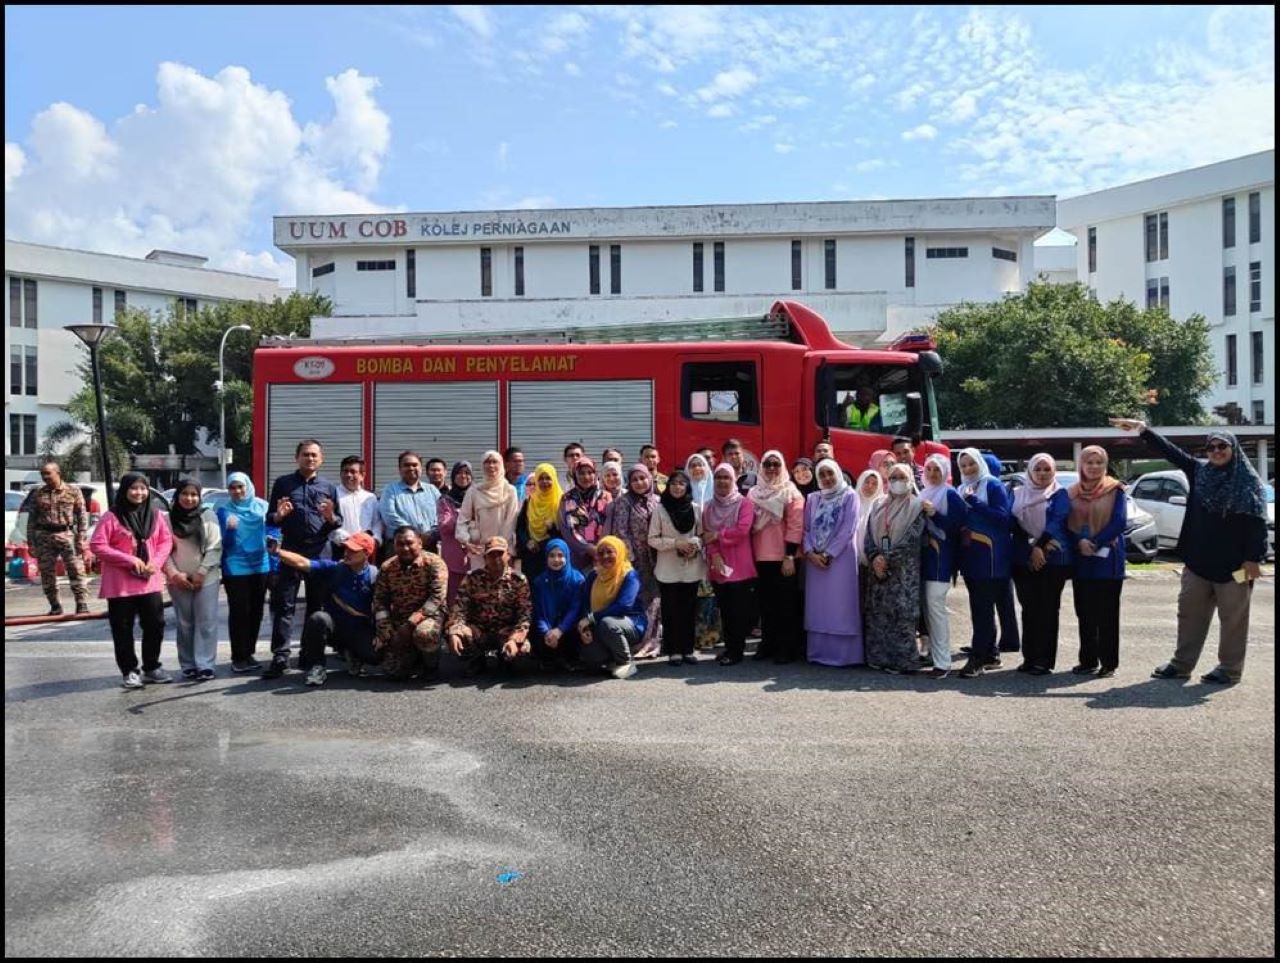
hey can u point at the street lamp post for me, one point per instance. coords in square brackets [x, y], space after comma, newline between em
[93, 335]
[222, 401]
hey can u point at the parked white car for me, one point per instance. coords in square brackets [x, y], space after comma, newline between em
[1164, 495]
[12, 502]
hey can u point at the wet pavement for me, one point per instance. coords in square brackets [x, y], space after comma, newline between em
[702, 811]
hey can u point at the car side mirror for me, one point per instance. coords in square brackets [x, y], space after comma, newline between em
[1177, 499]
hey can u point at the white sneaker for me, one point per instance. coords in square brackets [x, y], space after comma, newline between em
[316, 675]
[132, 681]
[624, 671]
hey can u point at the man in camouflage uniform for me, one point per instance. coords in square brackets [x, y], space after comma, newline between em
[493, 612]
[409, 607]
[56, 528]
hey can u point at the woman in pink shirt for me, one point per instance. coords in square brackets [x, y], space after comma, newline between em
[776, 537]
[726, 524]
[132, 542]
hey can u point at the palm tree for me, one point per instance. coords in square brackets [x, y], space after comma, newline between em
[77, 450]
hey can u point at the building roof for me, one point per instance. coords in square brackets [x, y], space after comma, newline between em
[1213, 180]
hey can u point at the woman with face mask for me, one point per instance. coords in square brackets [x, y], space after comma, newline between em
[193, 572]
[832, 614]
[986, 546]
[776, 537]
[536, 523]
[557, 606]
[628, 518]
[1041, 561]
[675, 536]
[1223, 543]
[1095, 528]
[726, 526]
[895, 533]
[945, 513]
[132, 542]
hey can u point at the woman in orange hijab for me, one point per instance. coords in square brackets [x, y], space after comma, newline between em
[1096, 530]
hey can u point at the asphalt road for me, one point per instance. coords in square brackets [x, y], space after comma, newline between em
[693, 811]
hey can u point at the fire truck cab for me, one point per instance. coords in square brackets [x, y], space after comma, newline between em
[775, 381]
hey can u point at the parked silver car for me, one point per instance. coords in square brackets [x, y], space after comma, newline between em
[1142, 541]
[1164, 495]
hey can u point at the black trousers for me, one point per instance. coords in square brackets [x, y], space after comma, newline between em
[776, 595]
[1098, 609]
[1008, 615]
[284, 599]
[679, 616]
[322, 629]
[984, 596]
[1041, 596]
[149, 611]
[246, 595]
[567, 648]
[737, 603]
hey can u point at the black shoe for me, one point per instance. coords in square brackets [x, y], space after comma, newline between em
[1038, 670]
[1218, 677]
[690, 660]
[993, 663]
[1024, 667]
[761, 655]
[55, 609]
[925, 660]
[971, 670]
[82, 608]
[1167, 671]
[1104, 673]
[279, 664]
[966, 650]
[1083, 670]
[728, 659]
[783, 659]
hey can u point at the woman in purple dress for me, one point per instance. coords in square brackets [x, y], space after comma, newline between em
[831, 612]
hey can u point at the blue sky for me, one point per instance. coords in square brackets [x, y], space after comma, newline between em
[187, 128]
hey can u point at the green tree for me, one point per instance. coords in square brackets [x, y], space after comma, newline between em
[1056, 358]
[159, 374]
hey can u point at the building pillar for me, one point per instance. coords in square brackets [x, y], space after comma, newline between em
[1262, 458]
[1076, 448]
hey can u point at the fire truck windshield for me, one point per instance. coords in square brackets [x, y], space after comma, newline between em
[874, 397]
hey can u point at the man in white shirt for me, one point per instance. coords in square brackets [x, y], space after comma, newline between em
[357, 506]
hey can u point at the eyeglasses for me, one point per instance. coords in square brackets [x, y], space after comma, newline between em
[773, 464]
[1217, 446]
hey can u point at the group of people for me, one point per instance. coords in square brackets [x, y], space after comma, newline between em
[604, 565]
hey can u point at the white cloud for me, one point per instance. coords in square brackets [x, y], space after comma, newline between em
[572, 69]
[668, 125]
[906, 99]
[783, 148]
[922, 132]
[535, 202]
[196, 170]
[563, 30]
[728, 84]
[962, 108]
[667, 90]
[870, 166]
[475, 17]
[14, 161]
[721, 110]
[757, 123]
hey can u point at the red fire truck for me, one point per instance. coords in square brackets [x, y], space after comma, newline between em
[775, 381]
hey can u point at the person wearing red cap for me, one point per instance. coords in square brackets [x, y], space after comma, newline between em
[348, 611]
[493, 611]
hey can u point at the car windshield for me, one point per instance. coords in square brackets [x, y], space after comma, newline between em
[12, 501]
[871, 397]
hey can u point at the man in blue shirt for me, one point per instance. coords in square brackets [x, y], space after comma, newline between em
[513, 463]
[410, 501]
[305, 507]
[348, 611]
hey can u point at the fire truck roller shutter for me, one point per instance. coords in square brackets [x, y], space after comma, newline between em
[545, 416]
[453, 420]
[332, 413]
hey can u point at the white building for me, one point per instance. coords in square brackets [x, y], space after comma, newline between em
[50, 287]
[1200, 241]
[872, 268]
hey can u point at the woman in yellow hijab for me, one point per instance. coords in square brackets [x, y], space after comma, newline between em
[615, 621]
[536, 524]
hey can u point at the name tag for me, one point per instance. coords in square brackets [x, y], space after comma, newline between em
[885, 544]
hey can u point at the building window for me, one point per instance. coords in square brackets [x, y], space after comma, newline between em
[720, 391]
[316, 272]
[1164, 293]
[697, 267]
[15, 302]
[593, 267]
[1255, 218]
[829, 264]
[1255, 287]
[1259, 412]
[519, 272]
[1259, 358]
[1164, 235]
[410, 273]
[1228, 222]
[1228, 292]
[22, 303]
[1093, 250]
[97, 305]
[375, 265]
[22, 434]
[15, 369]
[1151, 227]
[910, 252]
[33, 369]
[23, 369]
[1232, 378]
[185, 308]
[797, 265]
[934, 253]
[717, 266]
[121, 302]
[1000, 254]
[1153, 292]
[486, 272]
[615, 268]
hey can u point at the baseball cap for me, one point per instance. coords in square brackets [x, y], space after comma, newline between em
[495, 544]
[361, 542]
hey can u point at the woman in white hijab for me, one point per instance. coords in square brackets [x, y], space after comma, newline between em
[870, 488]
[945, 513]
[832, 613]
